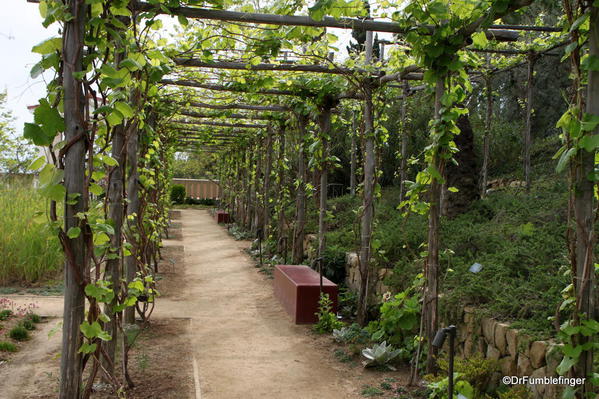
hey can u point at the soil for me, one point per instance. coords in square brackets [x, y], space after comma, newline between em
[217, 333]
[160, 366]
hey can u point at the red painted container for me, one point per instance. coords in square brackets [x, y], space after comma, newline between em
[222, 217]
[297, 287]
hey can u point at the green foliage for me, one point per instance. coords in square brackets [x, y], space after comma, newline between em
[353, 334]
[177, 194]
[514, 235]
[368, 391]
[399, 316]
[15, 153]
[28, 324]
[8, 347]
[327, 320]
[30, 250]
[516, 392]
[476, 371]
[19, 333]
[5, 314]
[33, 317]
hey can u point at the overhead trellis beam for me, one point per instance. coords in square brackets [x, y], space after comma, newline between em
[215, 87]
[215, 115]
[235, 125]
[249, 107]
[242, 66]
[408, 74]
[301, 20]
[277, 92]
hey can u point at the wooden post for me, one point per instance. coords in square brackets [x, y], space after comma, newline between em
[487, 137]
[300, 200]
[266, 209]
[258, 181]
[403, 165]
[353, 157]
[584, 206]
[324, 121]
[431, 291]
[368, 193]
[74, 181]
[116, 211]
[132, 213]
[527, 139]
[281, 183]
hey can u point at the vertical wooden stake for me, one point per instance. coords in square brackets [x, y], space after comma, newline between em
[132, 213]
[431, 291]
[300, 200]
[74, 181]
[368, 194]
[487, 138]
[584, 207]
[403, 166]
[353, 157]
[527, 139]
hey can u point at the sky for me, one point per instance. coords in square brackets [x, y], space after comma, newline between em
[21, 29]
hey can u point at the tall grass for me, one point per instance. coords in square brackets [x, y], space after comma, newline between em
[29, 251]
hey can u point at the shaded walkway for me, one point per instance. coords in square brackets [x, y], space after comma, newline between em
[244, 343]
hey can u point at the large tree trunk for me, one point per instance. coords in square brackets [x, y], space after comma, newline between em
[368, 193]
[431, 291]
[74, 180]
[584, 205]
[132, 213]
[300, 200]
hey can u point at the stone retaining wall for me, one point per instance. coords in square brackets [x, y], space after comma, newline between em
[516, 353]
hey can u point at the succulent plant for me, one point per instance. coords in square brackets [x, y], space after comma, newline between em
[379, 355]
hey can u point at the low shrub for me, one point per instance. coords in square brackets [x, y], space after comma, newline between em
[177, 195]
[19, 333]
[34, 317]
[28, 324]
[7, 347]
[5, 314]
[327, 320]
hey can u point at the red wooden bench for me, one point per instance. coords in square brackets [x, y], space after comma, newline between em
[298, 289]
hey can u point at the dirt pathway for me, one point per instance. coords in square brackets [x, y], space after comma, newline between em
[244, 343]
[240, 342]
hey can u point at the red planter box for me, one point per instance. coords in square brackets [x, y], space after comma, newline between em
[222, 217]
[298, 290]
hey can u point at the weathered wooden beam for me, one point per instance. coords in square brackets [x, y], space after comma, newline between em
[235, 125]
[249, 107]
[301, 20]
[222, 115]
[215, 87]
[242, 66]
[276, 92]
